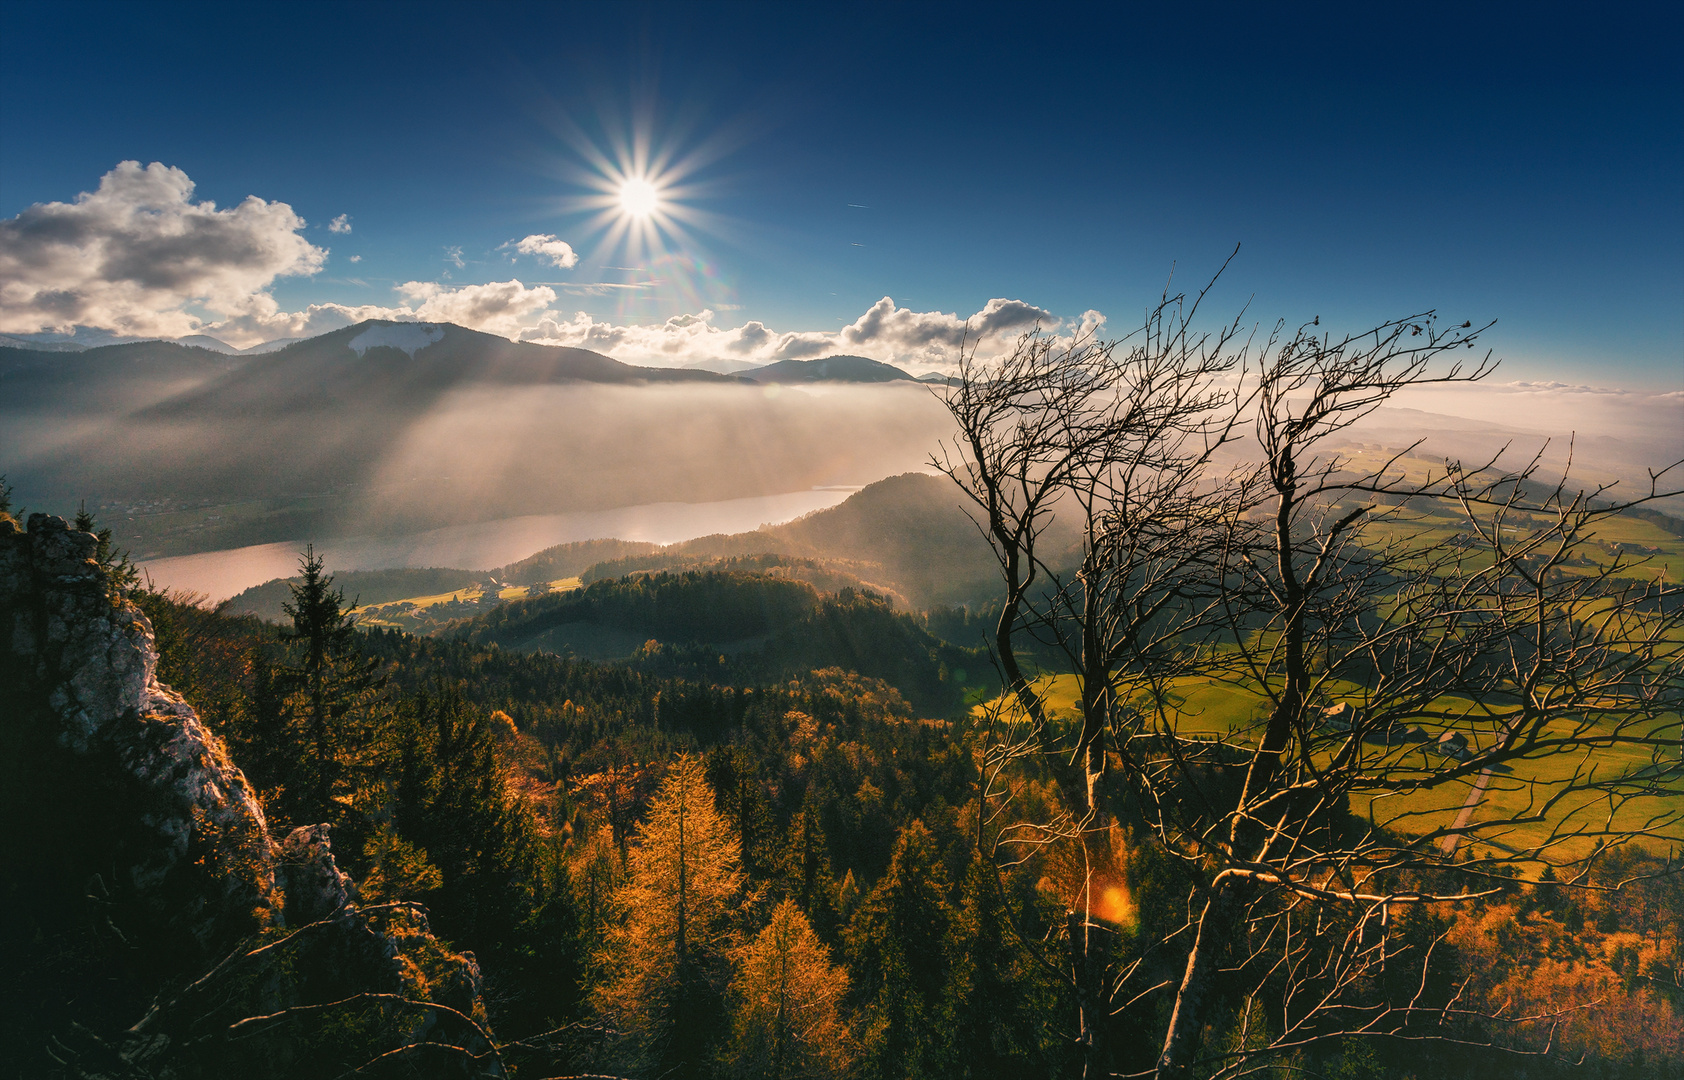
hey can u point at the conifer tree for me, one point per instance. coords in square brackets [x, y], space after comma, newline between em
[325, 687]
[989, 1031]
[786, 1019]
[121, 577]
[739, 796]
[451, 801]
[894, 944]
[806, 874]
[668, 958]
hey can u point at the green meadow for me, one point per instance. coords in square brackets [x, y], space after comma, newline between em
[1208, 708]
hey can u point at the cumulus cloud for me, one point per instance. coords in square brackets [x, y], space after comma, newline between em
[886, 331]
[137, 254]
[139, 257]
[910, 330]
[556, 251]
[356, 258]
[497, 307]
[923, 340]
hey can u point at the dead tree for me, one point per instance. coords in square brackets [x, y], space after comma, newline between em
[1452, 601]
[1117, 438]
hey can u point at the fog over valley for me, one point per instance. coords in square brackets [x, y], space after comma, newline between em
[203, 451]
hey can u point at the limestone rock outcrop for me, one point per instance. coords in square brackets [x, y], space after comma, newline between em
[142, 881]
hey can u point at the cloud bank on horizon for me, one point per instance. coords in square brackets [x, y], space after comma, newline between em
[138, 257]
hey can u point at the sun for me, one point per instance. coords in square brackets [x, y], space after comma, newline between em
[638, 197]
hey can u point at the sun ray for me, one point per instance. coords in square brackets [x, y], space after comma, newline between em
[636, 191]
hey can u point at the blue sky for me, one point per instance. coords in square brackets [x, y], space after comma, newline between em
[1524, 164]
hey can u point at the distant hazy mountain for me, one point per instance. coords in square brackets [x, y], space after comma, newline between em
[15, 341]
[722, 367]
[373, 364]
[205, 341]
[109, 377]
[51, 343]
[269, 346]
[396, 427]
[854, 369]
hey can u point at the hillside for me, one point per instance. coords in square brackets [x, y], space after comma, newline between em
[735, 626]
[905, 538]
[402, 364]
[851, 369]
[906, 535]
[108, 377]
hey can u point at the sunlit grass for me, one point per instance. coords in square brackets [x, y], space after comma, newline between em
[512, 592]
[1207, 708]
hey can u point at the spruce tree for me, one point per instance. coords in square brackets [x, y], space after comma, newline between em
[990, 1030]
[806, 875]
[121, 576]
[895, 951]
[327, 682]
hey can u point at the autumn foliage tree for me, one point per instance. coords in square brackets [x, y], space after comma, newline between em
[786, 1002]
[668, 958]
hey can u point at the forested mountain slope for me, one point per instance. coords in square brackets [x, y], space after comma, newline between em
[738, 627]
[906, 537]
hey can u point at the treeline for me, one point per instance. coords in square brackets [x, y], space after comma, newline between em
[833, 814]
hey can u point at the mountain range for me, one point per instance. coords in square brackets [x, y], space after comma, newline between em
[387, 427]
[451, 352]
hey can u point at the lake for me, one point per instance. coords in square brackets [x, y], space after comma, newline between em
[484, 545]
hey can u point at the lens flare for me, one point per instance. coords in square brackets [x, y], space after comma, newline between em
[638, 214]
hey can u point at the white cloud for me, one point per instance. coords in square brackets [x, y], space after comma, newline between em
[498, 307]
[135, 255]
[558, 252]
[138, 257]
[896, 335]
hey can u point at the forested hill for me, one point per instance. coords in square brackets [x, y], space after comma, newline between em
[907, 537]
[404, 365]
[907, 534]
[857, 369]
[910, 534]
[737, 627]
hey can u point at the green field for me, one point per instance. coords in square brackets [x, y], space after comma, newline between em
[1207, 708]
[419, 613]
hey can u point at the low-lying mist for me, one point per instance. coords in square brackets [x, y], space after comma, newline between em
[188, 455]
[473, 454]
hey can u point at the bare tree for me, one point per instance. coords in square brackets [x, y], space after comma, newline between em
[1405, 629]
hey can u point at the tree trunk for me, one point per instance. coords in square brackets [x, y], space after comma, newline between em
[1181, 1042]
[1087, 968]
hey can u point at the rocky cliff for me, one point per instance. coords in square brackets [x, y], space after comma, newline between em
[157, 927]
